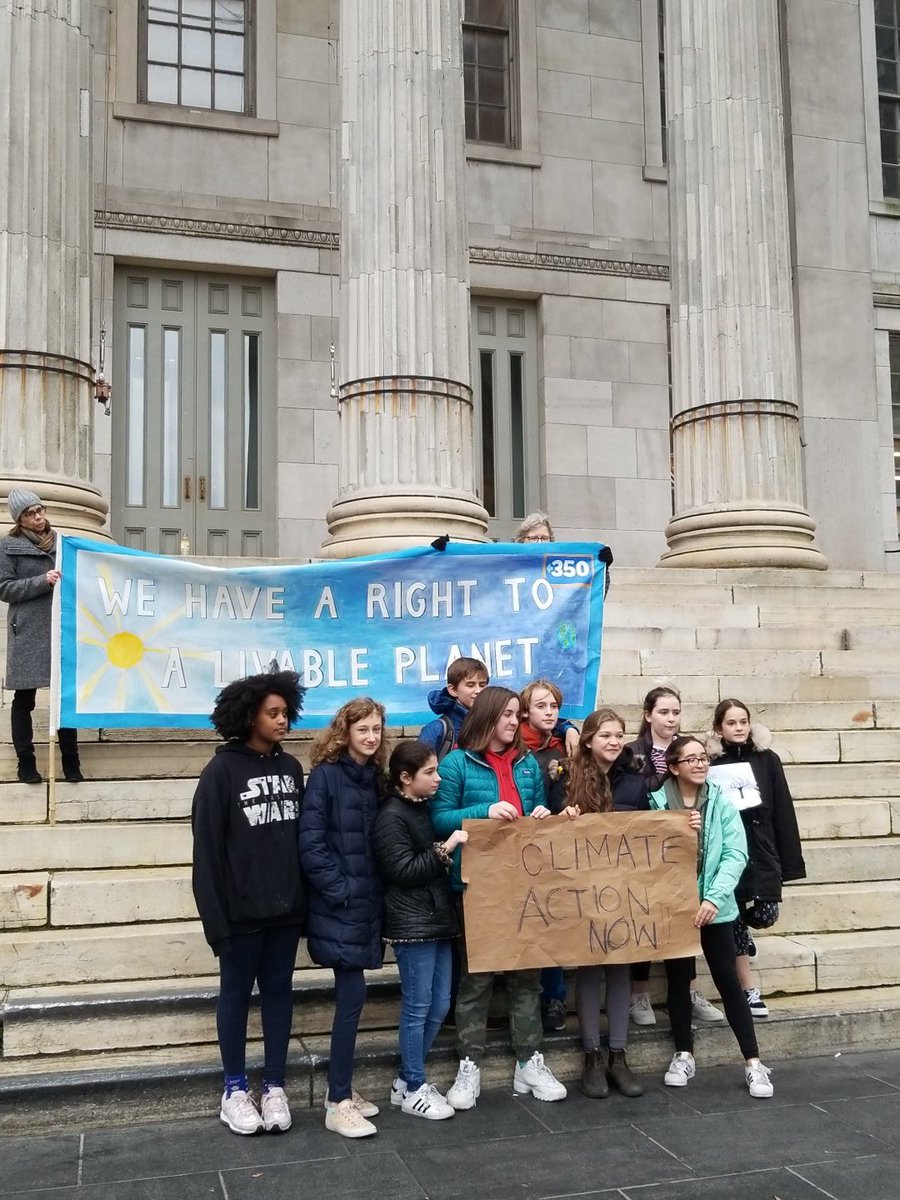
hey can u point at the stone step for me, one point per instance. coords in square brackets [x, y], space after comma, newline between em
[62, 1091]
[125, 799]
[840, 615]
[121, 897]
[838, 908]
[844, 779]
[85, 1019]
[854, 860]
[89, 846]
[859, 959]
[855, 818]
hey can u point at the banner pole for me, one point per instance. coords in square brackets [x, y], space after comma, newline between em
[55, 629]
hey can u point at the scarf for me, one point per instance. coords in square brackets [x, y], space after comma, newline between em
[675, 801]
[45, 541]
[539, 741]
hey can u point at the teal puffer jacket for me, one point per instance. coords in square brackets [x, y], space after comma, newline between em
[724, 851]
[469, 787]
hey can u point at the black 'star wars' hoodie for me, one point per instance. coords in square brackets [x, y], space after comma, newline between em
[246, 862]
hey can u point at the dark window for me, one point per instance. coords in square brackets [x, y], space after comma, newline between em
[488, 70]
[197, 53]
[887, 50]
[661, 21]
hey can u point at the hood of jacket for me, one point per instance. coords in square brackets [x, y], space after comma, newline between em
[760, 739]
[442, 704]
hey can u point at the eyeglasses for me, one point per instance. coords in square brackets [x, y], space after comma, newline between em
[536, 538]
[695, 760]
[36, 510]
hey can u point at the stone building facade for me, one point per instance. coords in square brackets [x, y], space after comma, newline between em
[319, 224]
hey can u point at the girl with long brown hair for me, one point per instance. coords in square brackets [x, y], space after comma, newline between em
[491, 776]
[338, 859]
[602, 777]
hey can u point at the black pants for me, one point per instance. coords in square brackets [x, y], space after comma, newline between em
[640, 972]
[718, 949]
[23, 731]
[349, 998]
[266, 957]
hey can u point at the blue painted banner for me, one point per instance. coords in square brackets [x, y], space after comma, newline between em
[146, 640]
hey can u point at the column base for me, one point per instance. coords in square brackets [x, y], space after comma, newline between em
[72, 508]
[378, 522]
[743, 537]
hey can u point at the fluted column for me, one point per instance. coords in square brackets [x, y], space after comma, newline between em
[407, 435]
[46, 381]
[737, 452]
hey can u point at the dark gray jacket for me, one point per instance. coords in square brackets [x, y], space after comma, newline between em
[23, 586]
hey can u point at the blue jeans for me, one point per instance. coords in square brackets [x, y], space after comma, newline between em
[425, 969]
[553, 985]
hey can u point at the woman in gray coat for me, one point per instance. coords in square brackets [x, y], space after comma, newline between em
[28, 576]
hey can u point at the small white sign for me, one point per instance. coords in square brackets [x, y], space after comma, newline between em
[737, 783]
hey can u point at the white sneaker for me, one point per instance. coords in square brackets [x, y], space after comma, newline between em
[275, 1112]
[681, 1069]
[346, 1119]
[427, 1102]
[702, 1010]
[758, 1006]
[240, 1114]
[366, 1107]
[466, 1087]
[758, 1080]
[398, 1091]
[641, 1010]
[537, 1078]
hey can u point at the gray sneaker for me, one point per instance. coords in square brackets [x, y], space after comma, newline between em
[702, 1010]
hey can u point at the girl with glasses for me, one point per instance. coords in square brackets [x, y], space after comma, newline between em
[602, 777]
[721, 858]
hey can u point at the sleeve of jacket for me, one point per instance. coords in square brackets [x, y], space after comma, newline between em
[536, 794]
[319, 865]
[734, 852]
[398, 861]
[784, 818]
[447, 807]
[14, 590]
[432, 734]
[556, 796]
[562, 727]
[209, 872]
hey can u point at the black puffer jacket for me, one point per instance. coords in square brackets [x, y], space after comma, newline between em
[629, 787]
[339, 809]
[418, 899]
[773, 839]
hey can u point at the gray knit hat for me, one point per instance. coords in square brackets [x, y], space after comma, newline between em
[19, 499]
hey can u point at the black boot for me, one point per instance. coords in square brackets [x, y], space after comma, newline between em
[593, 1077]
[68, 748]
[23, 734]
[28, 772]
[620, 1075]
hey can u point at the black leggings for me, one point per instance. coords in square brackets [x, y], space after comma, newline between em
[718, 948]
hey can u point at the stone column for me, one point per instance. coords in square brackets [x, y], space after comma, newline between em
[407, 436]
[739, 496]
[46, 222]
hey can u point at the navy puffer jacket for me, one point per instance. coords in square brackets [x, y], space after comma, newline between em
[339, 808]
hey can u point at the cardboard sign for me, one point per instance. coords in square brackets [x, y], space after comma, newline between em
[604, 888]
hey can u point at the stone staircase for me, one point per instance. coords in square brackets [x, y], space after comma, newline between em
[107, 987]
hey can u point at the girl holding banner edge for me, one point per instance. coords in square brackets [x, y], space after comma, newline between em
[491, 776]
[338, 859]
[721, 858]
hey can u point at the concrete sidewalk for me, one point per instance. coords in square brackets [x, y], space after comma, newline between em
[832, 1130]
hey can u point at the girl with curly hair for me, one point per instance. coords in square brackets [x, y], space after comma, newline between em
[247, 884]
[338, 858]
[602, 777]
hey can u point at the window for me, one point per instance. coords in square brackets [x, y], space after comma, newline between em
[661, 27]
[504, 340]
[887, 51]
[653, 42]
[196, 53]
[488, 27]
[895, 407]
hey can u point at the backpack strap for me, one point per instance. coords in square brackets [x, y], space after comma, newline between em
[447, 738]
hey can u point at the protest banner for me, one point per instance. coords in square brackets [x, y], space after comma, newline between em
[604, 888]
[146, 640]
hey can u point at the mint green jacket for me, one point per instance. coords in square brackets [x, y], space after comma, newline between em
[723, 851]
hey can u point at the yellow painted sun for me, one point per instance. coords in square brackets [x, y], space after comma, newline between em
[125, 650]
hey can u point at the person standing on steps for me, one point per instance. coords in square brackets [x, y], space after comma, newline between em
[721, 858]
[601, 777]
[248, 887]
[338, 857]
[28, 576]
[660, 723]
[492, 777]
[753, 778]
